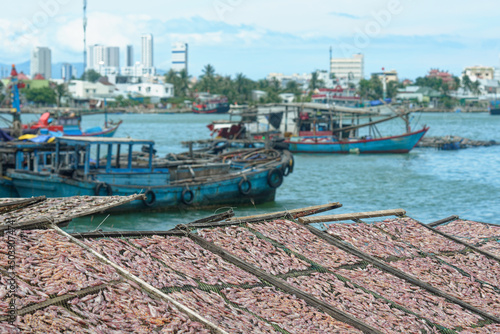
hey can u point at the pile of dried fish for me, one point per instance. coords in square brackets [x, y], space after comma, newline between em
[300, 240]
[413, 298]
[492, 246]
[474, 232]
[477, 265]
[287, 311]
[54, 209]
[247, 246]
[408, 230]
[360, 304]
[450, 280]
[124, 308]
[492, 328]
[51, 262]
[371, 240]
[53, 319]
[139, 263]
[215, 309]
[185, 256]
[24, 294]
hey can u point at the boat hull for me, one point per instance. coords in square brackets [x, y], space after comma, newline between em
[170, 197]
[495, 111]
[396, 144]
[219, 110]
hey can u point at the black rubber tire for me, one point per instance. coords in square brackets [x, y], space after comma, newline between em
[105, 186]
[187, 196]
[245, 190]
[150, 198]
[275, 178]
[292, 164]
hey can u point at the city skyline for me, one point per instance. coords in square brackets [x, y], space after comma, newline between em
[259, 37]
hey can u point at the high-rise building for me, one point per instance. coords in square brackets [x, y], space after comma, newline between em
[348, 69]
[147, 50]
[96, 56]
[41, 62]
[179, 57]
[112, 54]
[68, 71]
[129, 56]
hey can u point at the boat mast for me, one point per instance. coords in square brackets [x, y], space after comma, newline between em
[84, 40]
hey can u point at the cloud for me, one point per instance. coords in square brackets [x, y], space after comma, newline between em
[345, 15]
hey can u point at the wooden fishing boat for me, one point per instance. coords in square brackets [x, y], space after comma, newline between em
[331, 144]
[207, 103]
[95, 166]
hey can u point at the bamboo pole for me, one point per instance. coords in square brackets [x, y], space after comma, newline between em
[443, 221]
[144, 285]
[351, 216]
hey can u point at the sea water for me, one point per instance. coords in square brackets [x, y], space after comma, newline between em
[428, 183]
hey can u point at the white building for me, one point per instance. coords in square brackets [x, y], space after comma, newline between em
[348, 69]
[179, 57]
[138, 72]
[84, 90]
[479, 72]
[103, 59]
[147, 50]
[154, 91]
[41, 62]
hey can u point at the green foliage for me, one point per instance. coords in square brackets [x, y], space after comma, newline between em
[60, 92]
[90, 75]
[180, 82]
[42, 96]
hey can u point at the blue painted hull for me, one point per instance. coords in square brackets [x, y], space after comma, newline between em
[168, 197]
[7, 189]
[397, 144]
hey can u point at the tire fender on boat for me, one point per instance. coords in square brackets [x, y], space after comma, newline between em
[245, 186]
[104, 186]
[286, 170]
[187, 196]
[149, 198]
[275, 178]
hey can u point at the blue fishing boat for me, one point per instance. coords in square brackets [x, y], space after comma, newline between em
[96, 166]
[331, 144]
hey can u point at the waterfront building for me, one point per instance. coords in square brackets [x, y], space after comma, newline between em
[129, 56]
[348, 70]
[389, 76]
[301, 79]
[68, 72]
[154, 91]
[138, 72]
[82, 91]
[41, 62]
[479, 72]
[443, 75]
[147, 50]
[179, 57]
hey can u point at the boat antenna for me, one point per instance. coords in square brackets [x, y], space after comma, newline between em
[84, 40]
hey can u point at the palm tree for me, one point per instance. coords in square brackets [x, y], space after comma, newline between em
[184, 82]
[467, 83]
[60, 91]
[313, 84]
[208, 71]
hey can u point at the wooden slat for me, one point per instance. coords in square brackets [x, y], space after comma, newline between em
[283, 285]
[351, 216]
[443, 221]
[295, 213]
[398, 273]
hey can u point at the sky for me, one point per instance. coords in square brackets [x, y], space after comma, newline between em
[262, 36]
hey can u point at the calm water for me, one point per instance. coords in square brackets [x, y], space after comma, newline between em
[428, 183]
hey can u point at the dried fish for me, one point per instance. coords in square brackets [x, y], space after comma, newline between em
[287, 311]
[183, 255]
[139, 263]
[214, 308]
[477, 265]
[412, 297]
[371, 240]
[246, 245]
[300, 240]
[360, 304]
[450, 280]
[472, 231]
[411, 232]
